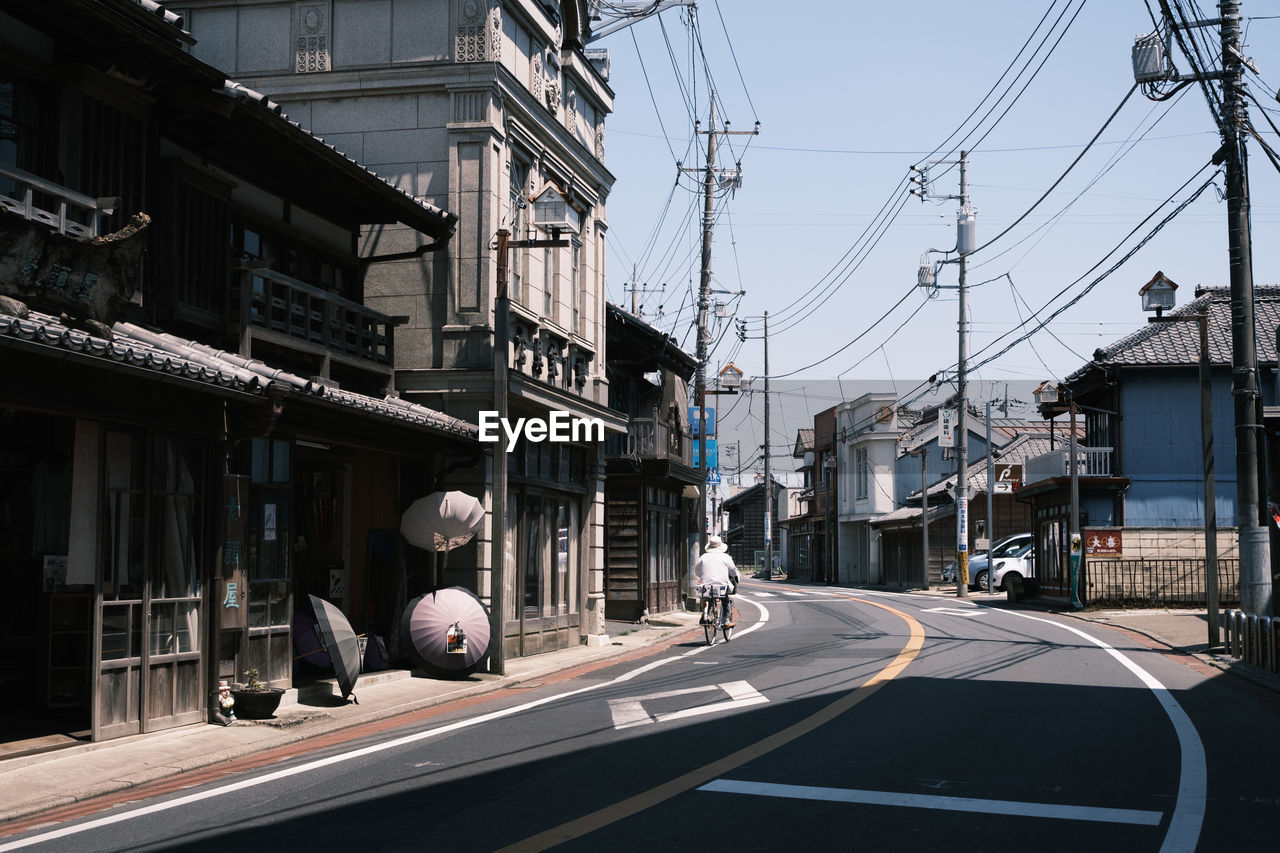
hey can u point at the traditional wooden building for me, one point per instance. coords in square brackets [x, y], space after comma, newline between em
[651, 482]
[198, 424]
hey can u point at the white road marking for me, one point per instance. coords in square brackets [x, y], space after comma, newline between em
[955, 611]
[629, 711]
[765, 594]
[1188, 811]
[340, 758]
[970, 805]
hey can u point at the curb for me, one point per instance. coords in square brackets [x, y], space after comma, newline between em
[267, 735]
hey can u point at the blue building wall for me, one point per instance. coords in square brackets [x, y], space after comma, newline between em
[1161, 448]
[907, 468]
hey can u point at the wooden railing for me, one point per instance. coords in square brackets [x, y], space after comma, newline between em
[69, 205]
[650, 438]
[303, 312]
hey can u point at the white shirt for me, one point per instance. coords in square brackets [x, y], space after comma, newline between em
[716, 567]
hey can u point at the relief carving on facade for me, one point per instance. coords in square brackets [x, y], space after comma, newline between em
[495, 34]
[600, 141]
[311, 40]
[479, 35]
[535, 81]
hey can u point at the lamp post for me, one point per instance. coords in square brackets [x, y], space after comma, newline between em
[1047, 396]
[1206, 452]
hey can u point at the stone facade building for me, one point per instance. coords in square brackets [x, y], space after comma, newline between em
[493, 110]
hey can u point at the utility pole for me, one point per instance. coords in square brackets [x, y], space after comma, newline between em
[768, 486]
[962, 416]
[1255, 558]
[966, 242]
[704, 334]
[704, 303]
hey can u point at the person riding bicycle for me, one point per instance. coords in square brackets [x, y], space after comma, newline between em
[716, 566]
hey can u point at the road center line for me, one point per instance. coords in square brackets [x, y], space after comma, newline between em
[702, 775]
[971, 805]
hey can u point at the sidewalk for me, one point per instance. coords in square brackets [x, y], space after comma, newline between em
[34, 783]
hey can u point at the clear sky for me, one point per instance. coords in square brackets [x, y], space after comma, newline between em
[849, 96]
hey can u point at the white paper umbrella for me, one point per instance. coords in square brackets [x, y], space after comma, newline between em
[448, 630]
[442, 520]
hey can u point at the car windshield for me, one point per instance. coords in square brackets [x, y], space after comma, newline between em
[1009, 547]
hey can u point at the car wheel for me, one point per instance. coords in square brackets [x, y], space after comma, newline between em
[980, 579]
[1010, 577]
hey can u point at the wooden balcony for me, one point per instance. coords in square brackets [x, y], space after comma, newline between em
[651, 438]
[1090, 462]
[71, 212]
[289, 313]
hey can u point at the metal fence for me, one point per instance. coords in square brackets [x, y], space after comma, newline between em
[1156, 583]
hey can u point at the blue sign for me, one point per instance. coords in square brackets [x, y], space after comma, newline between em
[713, 476]
[695, 423]
[713, 453]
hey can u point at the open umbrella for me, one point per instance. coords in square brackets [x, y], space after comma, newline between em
[340, 640]
[441, 521]
[448, 630]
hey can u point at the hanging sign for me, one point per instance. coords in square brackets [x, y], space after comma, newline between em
[713, 453]
[695, 422]
[232, 606]
[946, 427]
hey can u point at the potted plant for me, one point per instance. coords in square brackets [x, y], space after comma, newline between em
[255, 700]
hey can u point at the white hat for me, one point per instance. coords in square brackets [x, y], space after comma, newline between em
[715, 543]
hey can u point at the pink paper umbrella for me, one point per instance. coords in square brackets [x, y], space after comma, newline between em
[449, 631]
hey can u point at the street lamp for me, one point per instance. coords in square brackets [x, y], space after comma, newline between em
[1047, 397]
[1206, 445]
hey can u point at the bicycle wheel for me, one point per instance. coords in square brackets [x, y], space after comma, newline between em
[728, 632]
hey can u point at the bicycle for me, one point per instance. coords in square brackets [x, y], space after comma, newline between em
[717, 611]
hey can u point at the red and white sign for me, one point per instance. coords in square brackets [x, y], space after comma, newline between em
[1104, 542]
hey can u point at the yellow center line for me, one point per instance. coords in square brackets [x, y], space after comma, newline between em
[702, 775]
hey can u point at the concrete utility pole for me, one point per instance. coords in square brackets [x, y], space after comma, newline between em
[962, 416]
[704, 303]
[768, 473]
[1255, 557]
[966, 242]
[704, 334]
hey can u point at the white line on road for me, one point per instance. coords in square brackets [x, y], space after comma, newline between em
[928, 801]
[955, 611]
[340, 758]
[1188, 811]
[629, 711]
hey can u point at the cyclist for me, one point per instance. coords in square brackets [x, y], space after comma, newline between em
[716, 566]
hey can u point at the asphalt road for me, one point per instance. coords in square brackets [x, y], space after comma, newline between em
[834, 720]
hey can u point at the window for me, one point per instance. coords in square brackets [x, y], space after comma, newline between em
[28, 127]
[864, 474]
[575, 286]
[548, 284]
[519, 216]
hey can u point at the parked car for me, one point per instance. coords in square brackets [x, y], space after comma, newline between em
[1013, 555]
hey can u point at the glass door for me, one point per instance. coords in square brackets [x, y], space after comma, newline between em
[149, 626]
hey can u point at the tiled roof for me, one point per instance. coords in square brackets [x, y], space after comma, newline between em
[1179, 343]
[1022, 448]
[173, 356]
[231, 89]
[804, 441]
[160, 11]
